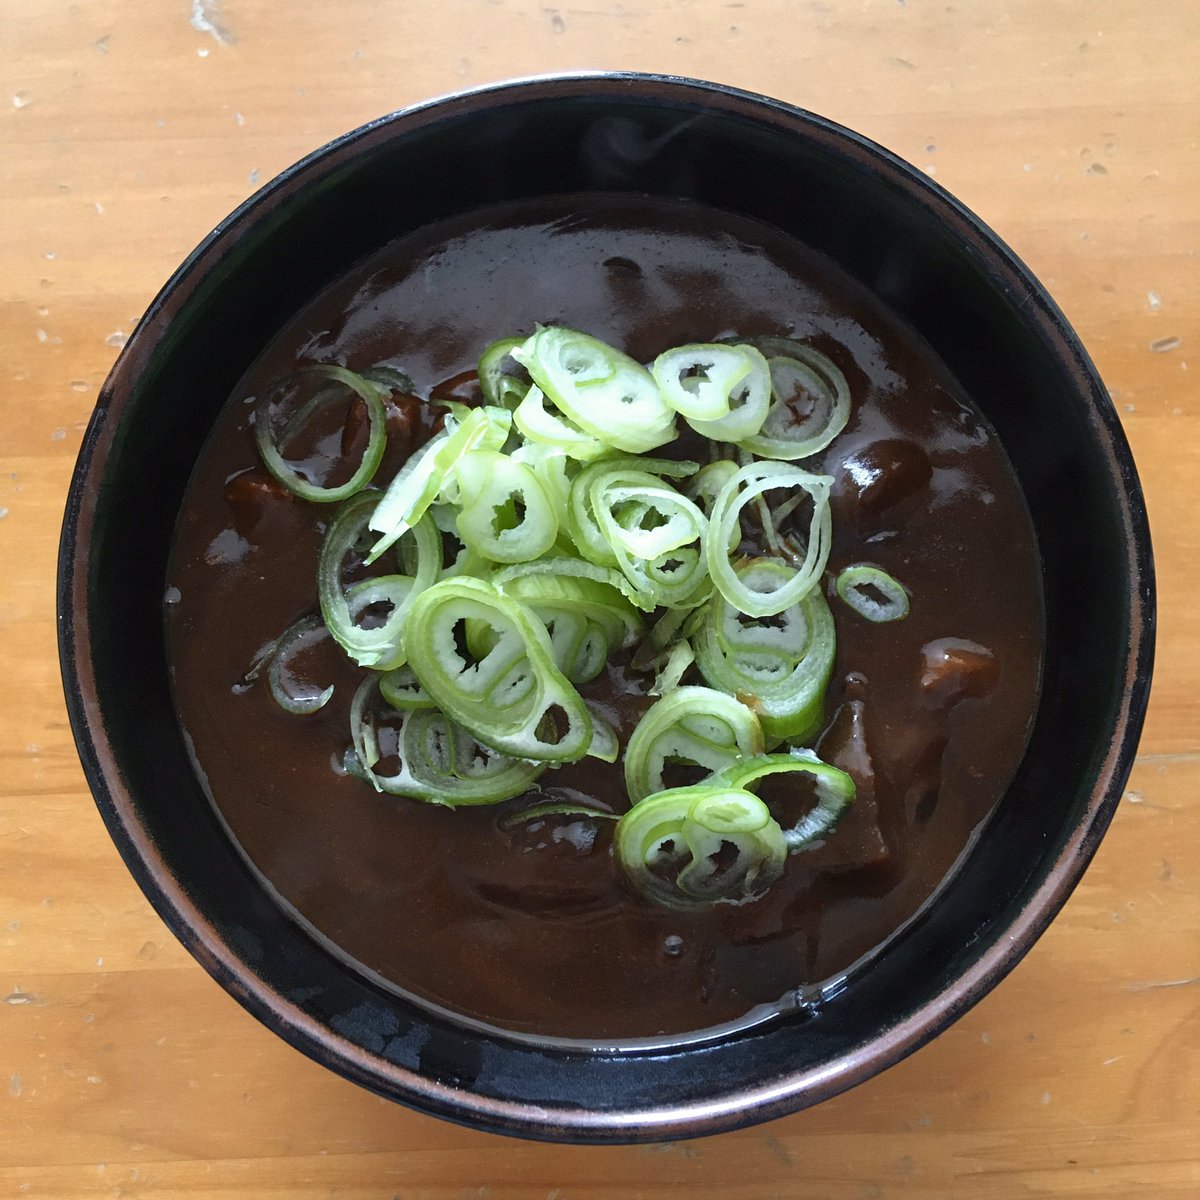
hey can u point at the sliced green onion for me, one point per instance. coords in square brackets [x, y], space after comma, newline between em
[567, 567]
[381, 647]
[288, 691]
[557, 432]
[694, 725]
[796, 366]
[403, 691]
[834, 791]
[362, 730]
[623, 513]
[504, 514]
[724, 392]
[285, 473]
[856, 584]
[455, 768]
[508, 698]
[439, 762]
[587, 620]
[605, 746]
[419, 481]
[678, 660]
[779, 667]
[550, 465]
[673, 847]
[754, 479]
[655, 647]
[604, 392]
[705, 486]
[500, 387]
[539, 812]
[390, 377]
[702, 382]
[588, 489]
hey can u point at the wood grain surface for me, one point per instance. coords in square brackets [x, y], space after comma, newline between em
[128, 129]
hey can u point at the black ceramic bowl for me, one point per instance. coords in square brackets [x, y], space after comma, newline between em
[928, 258]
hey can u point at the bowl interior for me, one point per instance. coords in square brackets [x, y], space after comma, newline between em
[928, 259]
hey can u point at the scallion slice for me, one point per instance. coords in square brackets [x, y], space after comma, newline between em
[690, 725]
[674, 846]
[587, 620]
[546, 428]
[746, 485]
[514, 698]
[419, 481]
[797, 367]
[403, 691]
[680, 657]
[604, 392]
[872, 593]
[779, 667]
[723, 392]
[501, 387]
[833, 789]
[554, 808]
[623, 513]
[605, 746]
[288, 691]
[380, 647]
[504, 513]
[437, 761]
[339, 379]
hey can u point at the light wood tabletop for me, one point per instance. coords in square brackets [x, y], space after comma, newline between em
[127, 130]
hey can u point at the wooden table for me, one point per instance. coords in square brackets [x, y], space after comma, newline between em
[128, 129]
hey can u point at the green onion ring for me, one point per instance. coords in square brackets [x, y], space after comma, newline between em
[852, 582]
[667, 846]
[754, 479]
[834, 791]
[279, 678]
[504, 699]
[781, 667]
[285, 473]
[697, 725]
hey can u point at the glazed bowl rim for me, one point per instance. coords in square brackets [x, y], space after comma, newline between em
[724, 1110]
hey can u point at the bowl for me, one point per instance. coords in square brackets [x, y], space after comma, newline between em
[933, 262]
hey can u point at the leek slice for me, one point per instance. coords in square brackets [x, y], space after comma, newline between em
[419, 481]
[604, 392]
[696, 725]
[622, 513]
[501, 387]
[403, 691]
[494, 489]
[673, 846]
[679, 659]
[509, 698]
[438, 761]
[553, 808]
[605, 746]
[723, 392]
[286, 689]
[872, 593]
[779, 668]
[587, 620]
[568, 567]
[834, 791]
[549, 429]
[795, 366]
[753, 480]
[270, 451]
[341, 609]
